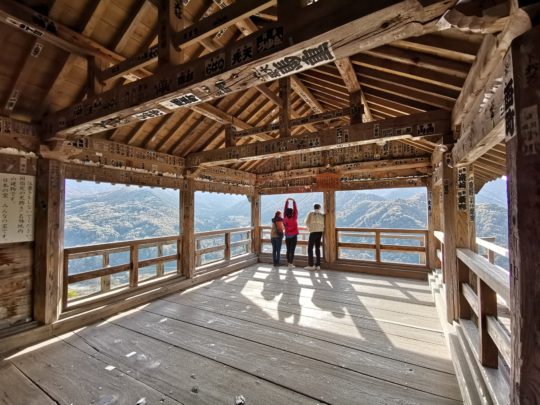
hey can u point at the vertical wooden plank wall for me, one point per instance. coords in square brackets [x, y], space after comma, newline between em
[49, 236]
[522, 102]
[16, 260]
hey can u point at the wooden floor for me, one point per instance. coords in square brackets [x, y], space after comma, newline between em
[271, 336]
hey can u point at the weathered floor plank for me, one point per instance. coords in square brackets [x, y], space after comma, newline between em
[272, 336]
[401, 373]
[16, 388]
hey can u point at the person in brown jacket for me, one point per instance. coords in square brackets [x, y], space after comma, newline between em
[276, 237]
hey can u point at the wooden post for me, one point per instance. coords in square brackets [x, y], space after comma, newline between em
[284, 109]
[255, 200]
[487, 300]
[94, 87]
[227, 254]
[356, 104]
[431, 240]
[377, 246]
[523, 171]
[170, 21]
[187, 213]
[449, 228]
[134, 261]
[105, 280]
[330, 241]
[229, 136]
[160, 267]
[49, 240]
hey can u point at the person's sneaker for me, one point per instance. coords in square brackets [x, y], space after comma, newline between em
[309, 268]
[290, 266]
[317, 267]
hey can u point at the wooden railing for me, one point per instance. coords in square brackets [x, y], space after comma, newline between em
[224, 244]
[302, 244]
[490, 248]
[484, 298]
[374, 245]
[95, 270]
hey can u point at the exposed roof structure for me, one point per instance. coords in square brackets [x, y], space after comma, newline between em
[41, 75]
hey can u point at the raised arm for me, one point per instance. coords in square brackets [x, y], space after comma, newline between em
[295, 210]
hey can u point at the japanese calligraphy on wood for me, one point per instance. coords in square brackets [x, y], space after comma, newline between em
[16, 208]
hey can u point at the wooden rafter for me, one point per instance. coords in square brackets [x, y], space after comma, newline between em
[348, 74]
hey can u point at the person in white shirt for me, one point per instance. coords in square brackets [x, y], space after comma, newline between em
[315, 226]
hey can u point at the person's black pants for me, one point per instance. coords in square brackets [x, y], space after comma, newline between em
[291, 246]
[276, 250]
[314, 241]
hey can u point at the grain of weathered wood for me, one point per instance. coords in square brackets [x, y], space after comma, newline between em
[231, 351]
[360, 362]
[174, 371]
[92, 383]
[16, 388]
[523, 165]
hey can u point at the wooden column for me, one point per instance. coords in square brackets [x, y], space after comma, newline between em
[49, 240]
[356, 103]
[434, 224]
[187, 215]
[330, 242]
[431, 241]
[458, 233]
[523, 172]
[170, 21]
[229, 136]
[285, 107]
[255, 200]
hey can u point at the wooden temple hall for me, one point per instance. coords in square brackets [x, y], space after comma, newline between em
[270, 97]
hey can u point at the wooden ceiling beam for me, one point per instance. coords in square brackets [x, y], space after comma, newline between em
[485, 68]
[306, 95]
[356, 22]
[348, 74]
[436, 63]
[91, 18]
[136, 13]
[406, 127]
[25, 71]
[408, 71]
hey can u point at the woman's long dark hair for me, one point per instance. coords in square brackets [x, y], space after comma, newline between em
[289, 212]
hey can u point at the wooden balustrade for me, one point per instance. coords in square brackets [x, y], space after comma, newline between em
[484, 296]
[100, 263]
[301, 246]
[220, 245]
[372, 246]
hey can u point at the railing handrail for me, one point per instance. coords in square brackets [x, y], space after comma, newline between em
[493, 247]
[114, 245]
[383, 230]
[497, 278]
[223, 231]
[439, 236]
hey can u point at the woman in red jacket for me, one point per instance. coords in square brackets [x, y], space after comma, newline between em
[291, 230]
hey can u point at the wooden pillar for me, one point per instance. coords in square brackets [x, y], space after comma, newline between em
[170, 21]
[434, 224]
[522, 101]
[229, 136]
[187, 215]
[285, 107]
[330, 241]
[255, 200]
[458, 233]
[356, 105]
[49, 240]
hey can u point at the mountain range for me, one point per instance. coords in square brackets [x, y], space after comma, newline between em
[100, 213]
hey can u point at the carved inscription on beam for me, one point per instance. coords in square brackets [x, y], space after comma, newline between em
[97, 152]
[411, 126]
[198, 81]
[311, 119]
